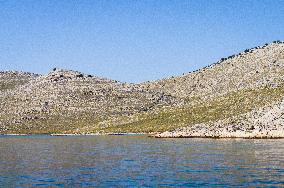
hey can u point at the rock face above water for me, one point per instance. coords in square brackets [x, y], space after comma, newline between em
[65, 101]
[267, 122]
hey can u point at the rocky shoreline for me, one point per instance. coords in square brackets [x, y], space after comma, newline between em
[212, 134]
[78, 134]
[236, 97]
[266, 122]
[223, 133]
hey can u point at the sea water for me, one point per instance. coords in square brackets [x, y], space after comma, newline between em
[139, 161]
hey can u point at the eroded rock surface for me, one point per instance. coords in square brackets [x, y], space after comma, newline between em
[72, 94]
[253, 68]
[66, 101]
[266, 122]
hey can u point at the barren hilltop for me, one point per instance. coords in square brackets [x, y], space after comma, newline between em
[238, 96]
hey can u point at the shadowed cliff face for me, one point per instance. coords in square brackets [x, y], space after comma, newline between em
[69, 101]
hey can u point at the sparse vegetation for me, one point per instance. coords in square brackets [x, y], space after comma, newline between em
[72, 102]
[169, 119]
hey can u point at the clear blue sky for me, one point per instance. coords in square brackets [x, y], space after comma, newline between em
[132, 41]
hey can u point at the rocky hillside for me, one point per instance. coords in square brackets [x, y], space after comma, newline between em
[13, 79]
[265, 122]
[64, 97]
[233, 86]
[215, 99]
[253, 68]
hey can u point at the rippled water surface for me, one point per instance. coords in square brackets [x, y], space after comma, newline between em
[139, 161]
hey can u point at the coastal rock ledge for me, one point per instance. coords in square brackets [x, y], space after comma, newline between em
[266, 122]
[223, 133]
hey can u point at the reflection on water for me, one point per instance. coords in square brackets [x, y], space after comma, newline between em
[139, 161]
